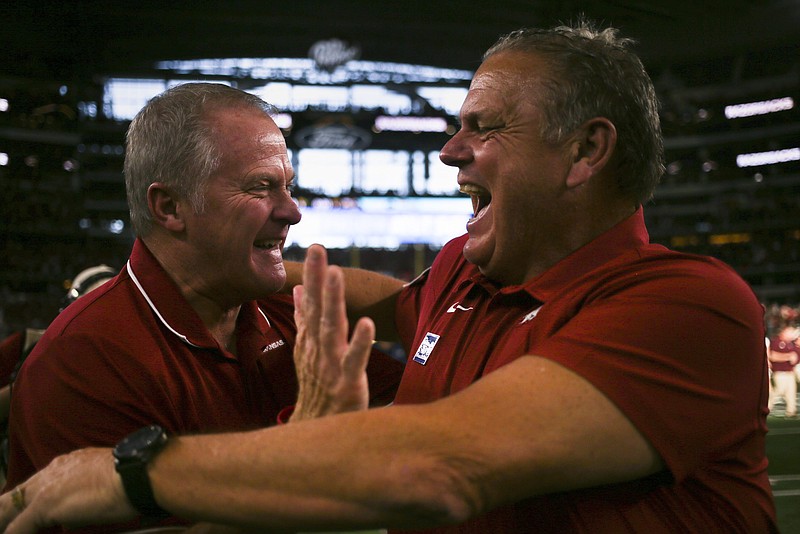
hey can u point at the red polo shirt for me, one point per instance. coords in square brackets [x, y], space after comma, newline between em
[776, 344]
[676, 341]
[134, 352]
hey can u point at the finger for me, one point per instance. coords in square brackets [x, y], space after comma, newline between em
[334, 324]
[7, 511]
[358, 353]
[300, 354]
[24, 523]
[314, 270]
[297, 296]
[22, 514]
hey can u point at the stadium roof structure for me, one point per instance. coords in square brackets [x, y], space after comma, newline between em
[74, 39]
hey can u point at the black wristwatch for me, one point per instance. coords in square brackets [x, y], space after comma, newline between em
[131, 456]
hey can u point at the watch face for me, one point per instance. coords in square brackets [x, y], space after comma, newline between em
[140, 441]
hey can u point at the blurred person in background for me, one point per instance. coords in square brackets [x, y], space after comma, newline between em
[784, 355]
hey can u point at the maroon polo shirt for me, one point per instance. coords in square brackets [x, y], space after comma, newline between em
[133, 353]
[676, 341]
[776, 344]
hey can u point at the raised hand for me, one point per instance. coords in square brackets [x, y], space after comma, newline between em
[330, 370]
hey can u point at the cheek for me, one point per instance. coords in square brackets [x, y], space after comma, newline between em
[248, 211]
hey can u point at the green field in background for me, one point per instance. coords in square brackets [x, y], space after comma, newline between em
[783, 451]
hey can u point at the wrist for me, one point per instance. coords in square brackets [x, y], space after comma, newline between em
[132, 456]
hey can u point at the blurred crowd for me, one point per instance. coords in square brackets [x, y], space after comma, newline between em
[779, 315]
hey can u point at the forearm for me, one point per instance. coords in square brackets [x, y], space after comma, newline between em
[410, 466]
[405, 466]
[775, 356]
[374, 295]
[367, 293]
[349, 472]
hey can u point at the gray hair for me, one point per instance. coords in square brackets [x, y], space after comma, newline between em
[170, 141]
[593, 73]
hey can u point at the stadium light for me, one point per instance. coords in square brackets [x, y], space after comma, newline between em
[751, 109]
[756, 159]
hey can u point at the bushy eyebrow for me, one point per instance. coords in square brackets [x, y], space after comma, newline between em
[473, 117]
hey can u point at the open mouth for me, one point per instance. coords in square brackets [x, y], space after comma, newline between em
[480, 197]
[266, 245]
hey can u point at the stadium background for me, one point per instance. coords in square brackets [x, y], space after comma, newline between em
[732, 187]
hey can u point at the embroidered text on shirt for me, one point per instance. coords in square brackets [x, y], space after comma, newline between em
[274, 345]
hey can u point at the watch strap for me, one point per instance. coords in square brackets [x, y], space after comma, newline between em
[137, 486]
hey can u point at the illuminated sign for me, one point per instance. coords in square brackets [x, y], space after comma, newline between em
[410, 124]
[338, 135]
[333, 53]
[305, 70]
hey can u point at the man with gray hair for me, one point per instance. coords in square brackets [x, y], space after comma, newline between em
[190, 336]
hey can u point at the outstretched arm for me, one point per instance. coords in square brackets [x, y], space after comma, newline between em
[367, 293]
[400, 466]
[775, 356]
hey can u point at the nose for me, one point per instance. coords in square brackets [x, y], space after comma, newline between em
[287, 210]
[455, 152]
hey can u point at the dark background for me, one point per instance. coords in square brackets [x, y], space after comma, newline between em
[80, 38]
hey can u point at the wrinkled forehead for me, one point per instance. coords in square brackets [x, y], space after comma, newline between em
[509, 71]
[245, 137]
[505, 79]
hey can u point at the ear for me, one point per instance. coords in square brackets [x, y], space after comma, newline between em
[165, 207]
[592, 148]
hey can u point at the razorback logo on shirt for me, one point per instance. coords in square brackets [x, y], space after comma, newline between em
[530, 315]
[425, 348]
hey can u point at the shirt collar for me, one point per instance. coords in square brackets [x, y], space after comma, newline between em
[170, 306]
[629, 234]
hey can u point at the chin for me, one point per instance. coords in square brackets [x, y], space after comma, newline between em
[473, 255]
[500, 276]
[270, 280]
[274, 285]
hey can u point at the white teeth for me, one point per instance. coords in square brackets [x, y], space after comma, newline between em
[480, 196]
[471, 189]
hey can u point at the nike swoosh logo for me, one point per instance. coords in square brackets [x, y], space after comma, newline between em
[457, 306]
